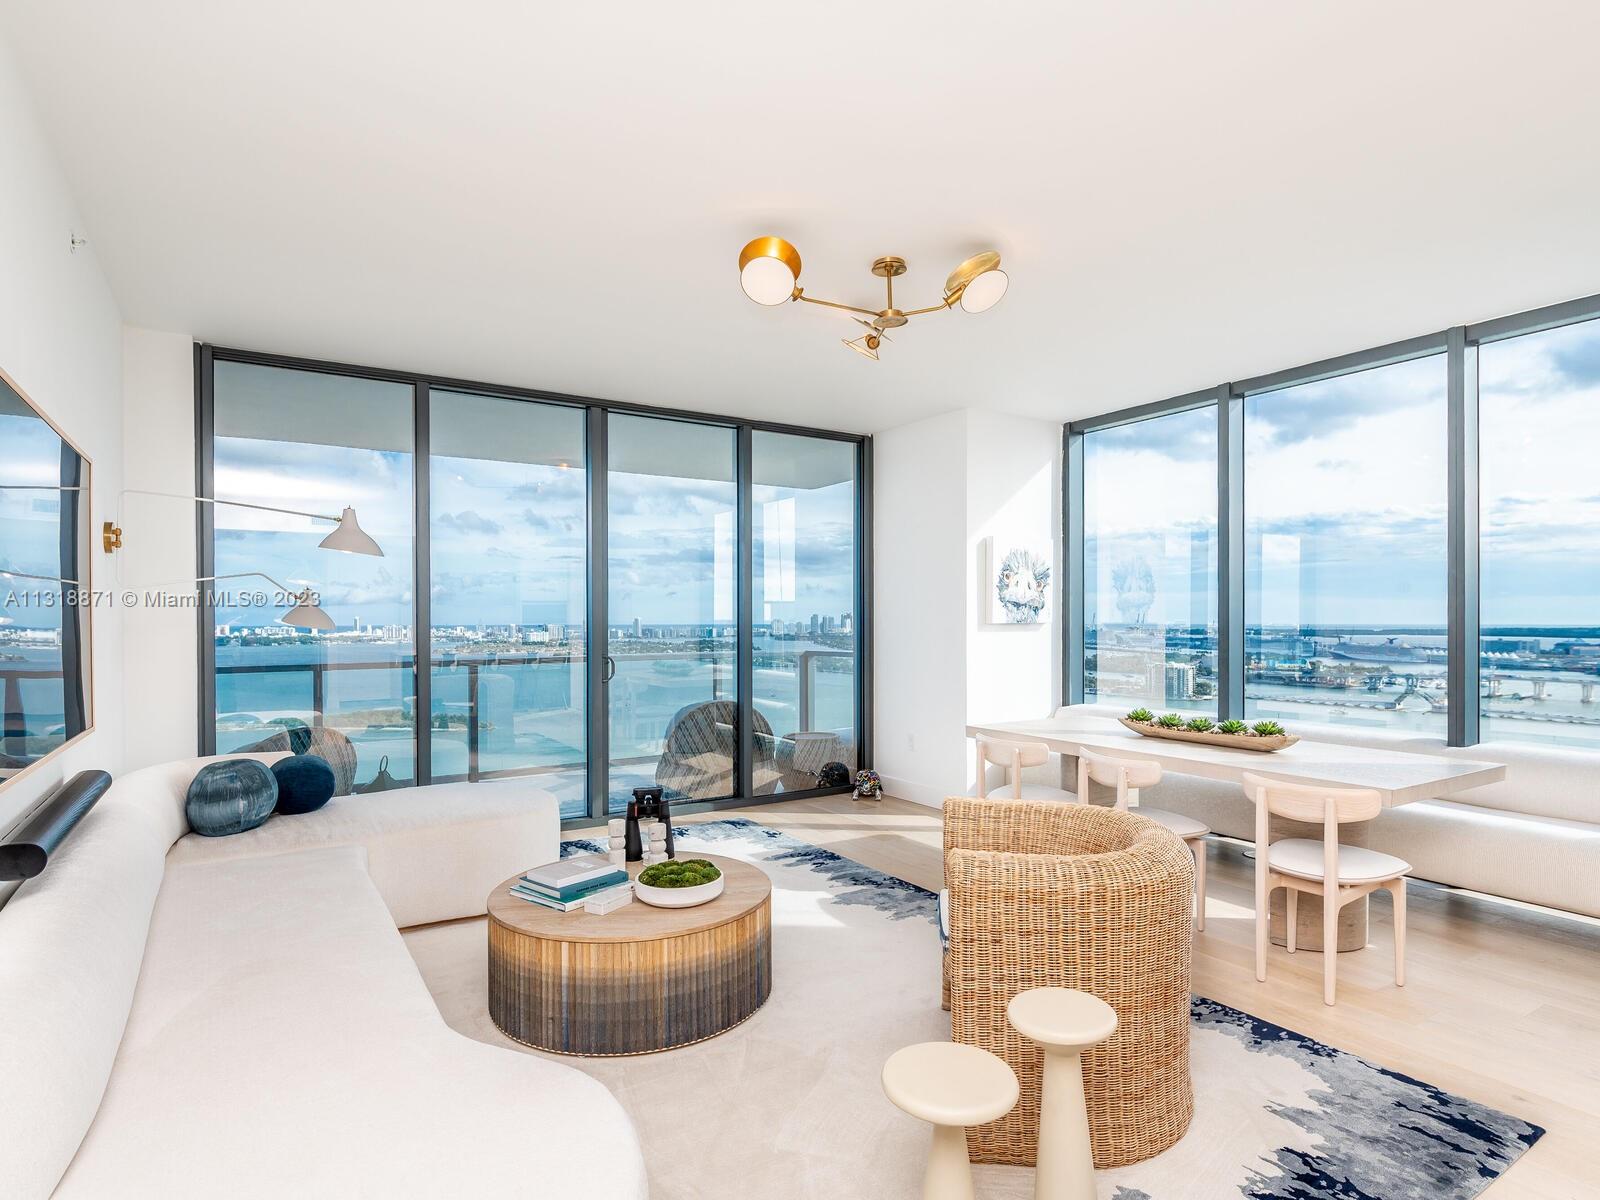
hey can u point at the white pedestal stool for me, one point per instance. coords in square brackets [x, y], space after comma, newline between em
[1065, 1023]
[950, 1086]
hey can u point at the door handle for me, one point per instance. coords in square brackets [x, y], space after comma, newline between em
[611, 669]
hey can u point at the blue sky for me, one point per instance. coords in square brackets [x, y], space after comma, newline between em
[508, 539]
[1345, 495]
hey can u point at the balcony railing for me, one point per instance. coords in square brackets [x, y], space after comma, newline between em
[472, 708]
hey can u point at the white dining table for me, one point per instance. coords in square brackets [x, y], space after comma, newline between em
[1398, 776]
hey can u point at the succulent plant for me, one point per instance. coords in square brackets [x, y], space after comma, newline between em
[1199, 724]
[1141, 714]
[1234, 726]
[1170, 721]
[1266, 729]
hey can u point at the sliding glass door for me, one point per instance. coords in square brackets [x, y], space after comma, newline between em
[672, 690]
[804, 674]
[585, 596]
[509, 569]
[319, 442]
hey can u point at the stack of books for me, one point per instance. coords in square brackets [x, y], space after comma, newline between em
[564, 885]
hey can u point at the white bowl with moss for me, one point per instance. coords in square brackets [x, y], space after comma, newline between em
[678, 883]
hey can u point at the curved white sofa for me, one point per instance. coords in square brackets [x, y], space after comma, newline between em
[1534, 836]
[239, 1016]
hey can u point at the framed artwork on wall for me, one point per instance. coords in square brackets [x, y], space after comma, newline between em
[1016, 584]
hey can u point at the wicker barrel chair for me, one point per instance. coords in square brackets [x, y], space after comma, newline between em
[1077, 896]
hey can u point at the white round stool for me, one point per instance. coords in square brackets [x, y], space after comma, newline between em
[1064, 1023]
[950, 1086]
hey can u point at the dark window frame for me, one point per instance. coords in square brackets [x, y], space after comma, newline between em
[596, 413]
[1459, 346]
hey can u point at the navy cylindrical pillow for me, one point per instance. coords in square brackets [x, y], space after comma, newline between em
[305, 783]
[230, 797]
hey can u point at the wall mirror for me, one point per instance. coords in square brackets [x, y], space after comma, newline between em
[45, 691]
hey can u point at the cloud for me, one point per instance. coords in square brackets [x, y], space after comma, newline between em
[467, 522]
[665, 496]
[1315, 410]
[545, 523]
[1543, 367]
[1577, 359]
[556, 484]
[1185, 437]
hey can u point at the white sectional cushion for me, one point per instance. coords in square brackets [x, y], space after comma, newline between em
[71, 942]
[282, 1043]
[433, 852]
[1303, 857]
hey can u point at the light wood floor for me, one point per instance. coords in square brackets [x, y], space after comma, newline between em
[1501, 1003]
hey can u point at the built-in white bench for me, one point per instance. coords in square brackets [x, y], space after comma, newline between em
[433, 852]
[240, 1016]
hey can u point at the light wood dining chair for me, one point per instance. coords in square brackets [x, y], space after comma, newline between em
[1014, 757]
[1306, 865]
[1128, 776]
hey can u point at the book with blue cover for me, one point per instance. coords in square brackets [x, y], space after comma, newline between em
[521, 892]
[572, 890]
[568, 872]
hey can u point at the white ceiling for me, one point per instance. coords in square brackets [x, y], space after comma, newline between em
[555, 195]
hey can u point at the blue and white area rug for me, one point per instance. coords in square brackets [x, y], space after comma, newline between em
[798, 1109]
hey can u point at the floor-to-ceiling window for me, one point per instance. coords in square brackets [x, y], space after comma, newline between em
[295, 439]
[1540, 514]
[1345, 508]
[508, 592]
[673, 622]
[804, 674]
[1406, 537]
[1150, 562]
[701, 547]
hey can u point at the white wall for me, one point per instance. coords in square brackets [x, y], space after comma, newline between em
[941, 486]
[61, 340]
[161, 657]
[919, 626]
[1013, 497]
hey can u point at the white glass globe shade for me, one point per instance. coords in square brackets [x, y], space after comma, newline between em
[984, 292]
[767, 280]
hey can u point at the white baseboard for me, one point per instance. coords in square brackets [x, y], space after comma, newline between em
[917, 793]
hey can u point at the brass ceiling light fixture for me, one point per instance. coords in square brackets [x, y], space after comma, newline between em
[769, 272]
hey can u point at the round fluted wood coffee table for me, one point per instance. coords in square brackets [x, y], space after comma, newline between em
[634, 980]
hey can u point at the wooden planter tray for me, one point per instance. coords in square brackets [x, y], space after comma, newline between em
[1231, 741]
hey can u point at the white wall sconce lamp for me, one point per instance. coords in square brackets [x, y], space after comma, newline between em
[348, 537]
[304, 612]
